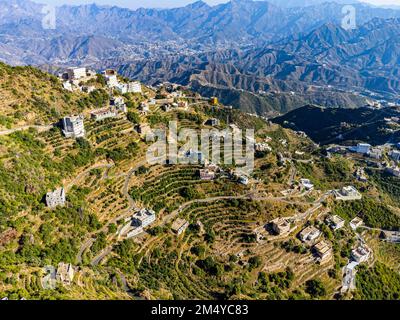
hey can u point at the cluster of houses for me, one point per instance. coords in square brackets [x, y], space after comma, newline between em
[64, 275]
[111, 77]
[74, 77]
[136, 224]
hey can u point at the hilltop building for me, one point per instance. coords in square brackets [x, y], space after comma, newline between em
[65, 273]
[280, 226]
[309, 234]
[347, 193]
[76, 73]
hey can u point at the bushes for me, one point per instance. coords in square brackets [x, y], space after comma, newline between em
[374, 214]
[377, 283]
[315, 288]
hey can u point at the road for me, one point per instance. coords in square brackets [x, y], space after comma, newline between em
[38, 128]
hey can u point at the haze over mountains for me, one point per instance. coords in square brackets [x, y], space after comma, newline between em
[254, 52]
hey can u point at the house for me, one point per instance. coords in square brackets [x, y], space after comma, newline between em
[143, 129]
[262, 147]
[212, 122]
[131, 87]
[143, 218]
[73, 127]
[102, 114]
[361, 254]
[323, 250]
[395, 155]
[356, 223]
[65, 273]
[391, 236]
[55, 198]
[111, 78]
[280, 226]
[206, 174]
[144, 107]
[347, 193]
[336, 222]
[363, 148]
[88, 89]
[309, 234]
[306, 184]
[243, 180]
[179, 226]
[76, 73]
[394, 171]
[376, 153]
[67, 85]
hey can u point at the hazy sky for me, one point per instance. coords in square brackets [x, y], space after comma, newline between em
[169, 3]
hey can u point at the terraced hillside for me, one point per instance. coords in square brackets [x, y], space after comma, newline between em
[226, 250]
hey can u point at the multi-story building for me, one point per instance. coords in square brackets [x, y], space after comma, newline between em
[55, 198]
[104, 113]
[280, 226]
[309, 234]
[336, 222]
[395, 155]
[361, 254]
[179, 226]
[143, 218]
[363, 148]
[76, 73]
[65, 273]
[323, 251]
[73, 127]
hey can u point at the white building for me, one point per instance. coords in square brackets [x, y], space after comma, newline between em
[309, 234]
[131, 87]
[361, 254]
[356, 223]
[76, 73]
[179, 226]
[73, 127]
[395, 155]
[363, 148]
[348, 193]
[323, 250]
[55, 198]
[336, 222]
[65, 273]
[280, 226]
[306, 184]
[143, 218]
[102, 114]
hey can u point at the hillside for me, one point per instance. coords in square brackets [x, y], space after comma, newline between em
[226, 251]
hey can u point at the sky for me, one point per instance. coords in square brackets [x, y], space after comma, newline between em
[169, 3]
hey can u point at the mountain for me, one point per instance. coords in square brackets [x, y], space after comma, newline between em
[233, 50]
[335, 125]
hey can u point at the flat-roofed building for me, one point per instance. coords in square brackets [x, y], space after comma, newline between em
[348, 193]
[103, 113]
[309, 234]
[65, 273]
[73, 127]
[55, 198]
[179, 226]
[206, 174]
[361, 253]
[324, 250]
[336, 222]
[143, 218]
[280, 226]
[356, 223]
[76, 73]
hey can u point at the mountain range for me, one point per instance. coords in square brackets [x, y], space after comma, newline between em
[255, 51]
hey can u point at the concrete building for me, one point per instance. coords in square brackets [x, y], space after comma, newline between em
[394, 171]
[361, 254]
[55, 198]
[76, 73]
[323, 250]
[356, 223]
[306, 184]
[143, 218]
[206, 174]
[309, 234]
[395, 155]
[143, 129]
[131, 87]
[363, 148]
[280, 226]
[212, 122]
[179, 226]
[73, 127]
[65, 273]
[376, 153]
[347, 193]
[102, 114]
[336, 222]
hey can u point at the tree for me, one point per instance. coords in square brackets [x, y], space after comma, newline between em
[315, 288]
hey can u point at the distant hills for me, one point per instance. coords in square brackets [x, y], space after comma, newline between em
[235, 50]
[335, 125]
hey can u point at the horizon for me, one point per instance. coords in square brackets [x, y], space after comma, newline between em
[135, 4]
